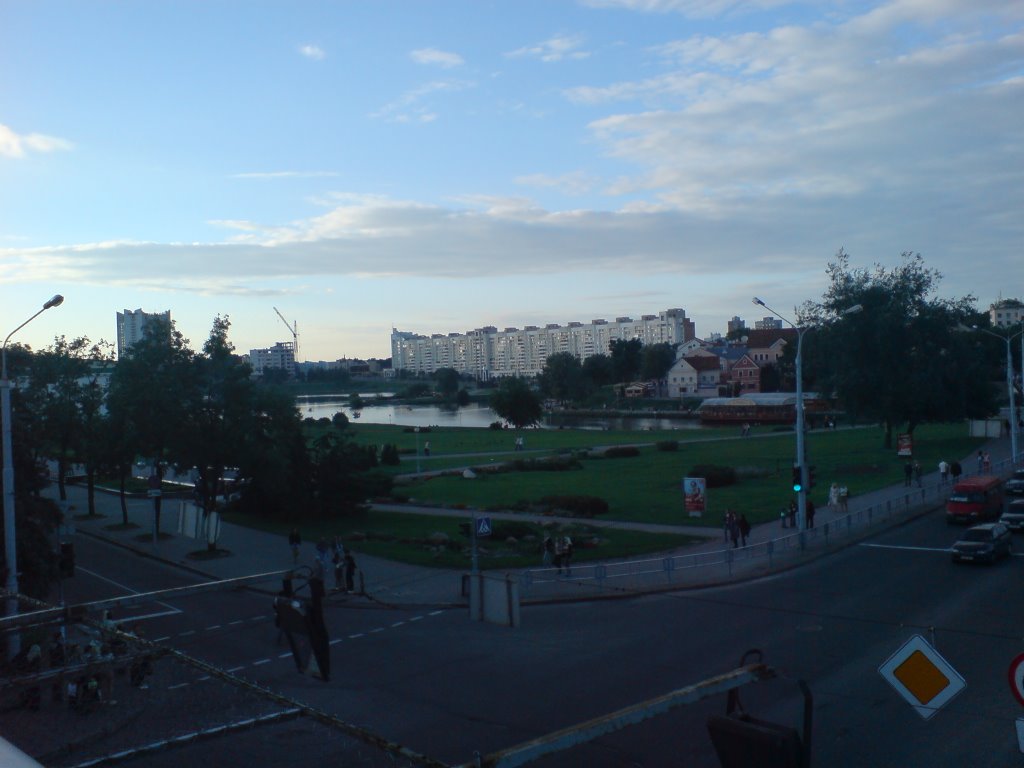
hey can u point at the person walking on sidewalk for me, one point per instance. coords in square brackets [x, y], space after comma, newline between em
[956, 470]
[350, 571]
[810, 513]
[295, 541]
[833, 497]
[744, 526]
[908, 473]
[943, 471]
[791, 513]
[918, 473]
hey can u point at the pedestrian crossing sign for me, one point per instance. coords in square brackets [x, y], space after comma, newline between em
[922, 677]
[483, 526]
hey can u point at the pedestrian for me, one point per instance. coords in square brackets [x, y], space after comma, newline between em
[908, 473]
[338, 560]
[559, 554]
[844, 498]
[943, 471]
[426, 448]
[350, 571]
[833, 497]
[734, 530]
[744, 528]
[792, 513]
[981, 461]
[725, 526]
[548, 550]
[918, 473]
[295, 541]
[567, 549]
[955, 470]
[810, 513]
[986, 462]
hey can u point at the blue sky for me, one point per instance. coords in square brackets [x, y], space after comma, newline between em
[439, 166]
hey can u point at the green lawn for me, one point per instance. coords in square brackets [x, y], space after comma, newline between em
[647, 488]
[404, 537]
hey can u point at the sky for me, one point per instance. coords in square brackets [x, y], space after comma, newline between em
[441, 165]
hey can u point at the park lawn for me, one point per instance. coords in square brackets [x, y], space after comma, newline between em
[403, 537]
[646, 488]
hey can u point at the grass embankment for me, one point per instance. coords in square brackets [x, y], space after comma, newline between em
[647, 488]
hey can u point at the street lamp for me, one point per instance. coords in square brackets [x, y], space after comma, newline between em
[10, 548]
[1009, 383]
[801, 509]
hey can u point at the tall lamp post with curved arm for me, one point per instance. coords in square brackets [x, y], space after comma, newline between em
[10, 542]
[801, 457]
[1009, 383]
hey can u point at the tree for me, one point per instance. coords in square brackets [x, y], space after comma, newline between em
[562, 378]
[656, 361]
[516, 402]
[626, 359]
[901, 360]
[447, 380]
[598, 371]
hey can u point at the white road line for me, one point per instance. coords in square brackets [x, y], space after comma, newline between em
[353, 637]
[203, 678]
[285, 655]
[179, 685]
[261, 661]
[235, 669]
[161, 639]
[397, 624]
[416, 618]
[914, 549]
[335, 642]
[378, 629]
[143, 617]
[210, 629]
[186, 633]
[127, 589]
[238, 621]
[435, 613]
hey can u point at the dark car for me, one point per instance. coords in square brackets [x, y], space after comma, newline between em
[984, 543]
[1015, 485]
[1013, 517]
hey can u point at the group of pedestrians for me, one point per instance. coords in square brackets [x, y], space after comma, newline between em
[333, 558]
[737, 528]
[558, 552]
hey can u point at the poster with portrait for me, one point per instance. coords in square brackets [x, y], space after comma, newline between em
[694, 496]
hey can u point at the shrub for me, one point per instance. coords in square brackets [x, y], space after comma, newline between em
[622, 452]
[389, 455]
[577, 506]
[667, 445]
[496, 425]
[715, 475]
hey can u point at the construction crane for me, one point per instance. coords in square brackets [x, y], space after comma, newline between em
[294, 328]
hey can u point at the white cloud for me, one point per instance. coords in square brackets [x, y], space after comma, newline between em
[408, 107]
[20, 145]
[553, 49]
[691, 8]
[435, 57]
[575, 183]
[314, 52]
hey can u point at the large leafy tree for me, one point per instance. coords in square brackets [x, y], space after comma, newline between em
[516, 402]
[150, 393]
[656, 361]
[627, 358]
[563, 378]
[447, 382]
[598, 370]
[902, 360]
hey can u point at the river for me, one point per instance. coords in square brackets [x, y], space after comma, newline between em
[472, 415]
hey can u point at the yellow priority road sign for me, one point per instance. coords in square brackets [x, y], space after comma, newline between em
[922, 677]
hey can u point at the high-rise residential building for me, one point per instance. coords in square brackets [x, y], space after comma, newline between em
[487, 352]
[736, 324]
[131, 327]
[281, 356]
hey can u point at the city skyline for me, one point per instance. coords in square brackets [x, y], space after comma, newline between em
[439, 167]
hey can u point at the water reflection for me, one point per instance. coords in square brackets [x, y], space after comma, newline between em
[472, 415]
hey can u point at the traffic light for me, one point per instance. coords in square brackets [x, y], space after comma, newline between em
[811, 478]
[798, 482]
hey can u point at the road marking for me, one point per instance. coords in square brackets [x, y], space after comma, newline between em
[416, 618]
[335, 642]
[947, 550]
[210, 629]
[353, 637]
[435, 613]
[143, 617]
[179, 685]
[186, 633]
[238, 621]
[171, 608]
[261, 661]
[285, 655]
[375, 631]
[204, 678]
[161, 639]
[235, 669]
[397, 624]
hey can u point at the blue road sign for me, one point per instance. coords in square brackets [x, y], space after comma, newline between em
[483, 526]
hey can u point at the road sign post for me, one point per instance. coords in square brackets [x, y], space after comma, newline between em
[922, 677]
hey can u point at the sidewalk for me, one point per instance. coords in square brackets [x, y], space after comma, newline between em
[770, 548]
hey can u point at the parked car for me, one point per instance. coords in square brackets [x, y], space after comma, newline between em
[1013, 517]
[984, 543]
[1015, 485]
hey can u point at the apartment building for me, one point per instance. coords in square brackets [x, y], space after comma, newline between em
[131, 327]
[281, 356]
[487, 352]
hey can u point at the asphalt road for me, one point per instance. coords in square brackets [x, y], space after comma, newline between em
[444, 686]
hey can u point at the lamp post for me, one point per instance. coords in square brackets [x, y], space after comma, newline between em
[801, 457]
[1009, 384]
[10, 542]
[417, 431]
